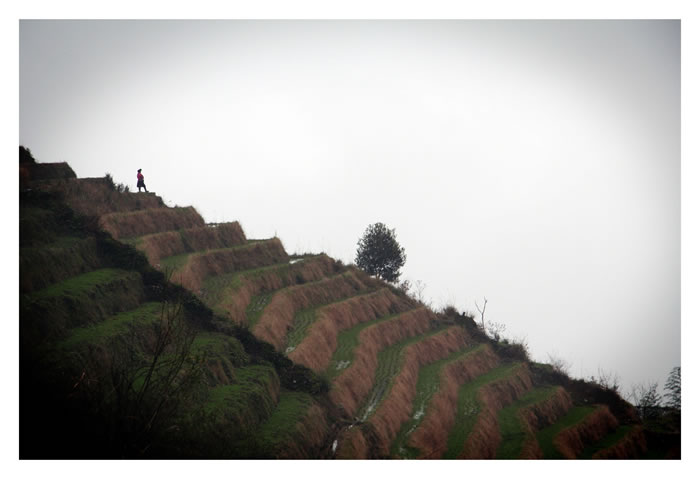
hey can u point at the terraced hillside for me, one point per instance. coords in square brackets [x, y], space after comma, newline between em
[146, 332]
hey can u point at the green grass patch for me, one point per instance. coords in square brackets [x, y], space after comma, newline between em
[347, 341]
[389, 361]
[306, 317]
[606, 442]
[256, 307]
[469, 406]
[121, 324]
[246, 403]
[512, 431]
[427, 385]
[83, 284]
[545, 437]
[281, 425]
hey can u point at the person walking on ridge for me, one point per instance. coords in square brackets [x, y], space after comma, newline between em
[139, 182]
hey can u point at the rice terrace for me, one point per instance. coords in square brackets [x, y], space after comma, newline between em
[147, 333]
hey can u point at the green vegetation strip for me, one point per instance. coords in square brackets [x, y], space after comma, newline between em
[427, 385]
[389, 362]
[608, 441]
[247, 402]
[83, 284]
[119, 325]
[469, 406]
[176, 262]
[348, 340]
[511, 426]
[546, 436]
[217, 289]
[306, 317]
[281, 425]
[256, 307]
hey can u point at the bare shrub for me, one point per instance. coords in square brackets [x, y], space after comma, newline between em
[559, 364]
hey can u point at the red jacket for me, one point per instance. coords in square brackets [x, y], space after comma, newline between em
[139, 176]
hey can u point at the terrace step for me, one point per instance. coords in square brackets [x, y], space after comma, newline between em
[314, 334]
[123, 225]
[389, 403]
[434, 404]
[192, 269]
[569, 436]
[234, 295]
[172, 243]
[475, 432]
[42, 266]
[519, 421]
[355, 359]
[236, 411]
[279, 314]
[85, 299]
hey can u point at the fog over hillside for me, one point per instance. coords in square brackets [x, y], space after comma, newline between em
[534, 163]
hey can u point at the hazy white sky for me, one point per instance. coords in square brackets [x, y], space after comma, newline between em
[536, 163]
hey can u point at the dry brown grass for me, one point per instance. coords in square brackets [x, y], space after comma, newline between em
[313, 269]
[396, 408]
[199, 266]
[633, 445]
[144, 222]
[485, 437]
[432, 433]
[317, 348]
[311, 435]
[278, 316]
[171, 243]
[571, 441]
[540, 415]
[352, 444]
[94, 197]
[353, 384]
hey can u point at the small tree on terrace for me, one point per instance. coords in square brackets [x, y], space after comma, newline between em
[379, 254]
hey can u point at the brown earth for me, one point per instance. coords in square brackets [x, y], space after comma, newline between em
[432, 433]
[571, 441]
[94, 196]
[633, 445]
[199, 266]
[310, 437]
[149, 221]
[172, 243]
[313, 269]
[317, 348]
[353, 384]
[540, 415]
[396, 408]
[485, 437]
[278, 316]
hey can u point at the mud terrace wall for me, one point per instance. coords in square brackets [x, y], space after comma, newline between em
[571, 441]
[144, 222]
[484, 439]
[633, 445]
[95, 197]
[43, 265]
[432, 433]
[171, 243]
[540, 415]
[317, 348]
[396, 407]
[309, 270]
[278, 316]
[199, 266]
[311, 435]
[353, 384]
